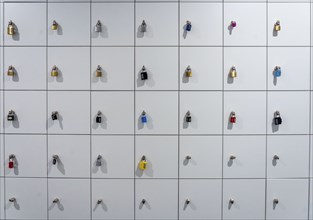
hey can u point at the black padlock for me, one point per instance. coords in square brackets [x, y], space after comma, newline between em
[277, 118]
[99, 161]
[54, 116]
[188, 117]
[11, 115]
[144, 74]
[99, 118]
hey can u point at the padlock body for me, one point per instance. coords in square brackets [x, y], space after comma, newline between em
[54, 117]
[277, 27]
[10, 117]
[143, 119]
[277, 120]
[98, 28]
[98, 73]
[233, 74]
[54, 27]
[188, 73]
[143, 165]
[10, 72]
[11, 30]
[54, 73]
[54, 161]
[11, 164]
[98, 163]
[232, 119]
[188, 27]
[144, 75]
[277, 73]
[143, 28]
[98, 119]
[188, 118]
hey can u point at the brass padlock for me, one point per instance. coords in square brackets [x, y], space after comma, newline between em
[188, 71]
[233, 72]
[54, 71]
[11, 28]
[54, 25]
[277, 26]
[99, 71]
[143, 163]
[11, 71]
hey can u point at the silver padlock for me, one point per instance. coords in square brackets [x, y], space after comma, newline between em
[143, 26]
[99, 161]
[98, 27]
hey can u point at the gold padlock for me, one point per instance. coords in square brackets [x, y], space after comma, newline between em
[54, 71]
[54, 25]
[188, 72]
[99, 71]
[233, 72]
[277, 26]
[143, 163]
[11, 29]
[11, 71]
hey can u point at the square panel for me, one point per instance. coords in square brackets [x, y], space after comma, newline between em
[30, 119]
[73, 73]
[28, 70]
[29, 23]
[117, 112]
[250, 112]
[117, 24]
[205, 118]
[206, 21]
[68, 16]
[160, 153]
[117, 65]
[206, 66]
[161, 112]
[294, 111]
[295, 68]
[250, 29]
[160, 30]
[73, 111]
[295, 27]
[251, 73]
[116, 156]
[161, 66]
[204, 197]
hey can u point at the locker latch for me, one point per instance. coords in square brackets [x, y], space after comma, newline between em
[99, 161]
[99, 117]
[143, 26]
[54, 25]
[143, 163]
[99, 71]
[143, 73]
[188, 71]
[188, 25]
[188, 116]
[277, 119]
[55, 159]
[232, 118]
[11, 28]
[277, 71]
[11, 71]
[12, 160]
[233, 72]
[11, 115]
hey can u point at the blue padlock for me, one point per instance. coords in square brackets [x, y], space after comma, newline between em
[277, 71]
[143, 117]
[188, 26]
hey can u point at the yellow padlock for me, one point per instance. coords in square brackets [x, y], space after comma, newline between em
[54, 25]
[277, 26]
[233, 72]
[188, 72]
[11, 29]
[99, 71]
[143, 163]
[10, 71]
[54, 71]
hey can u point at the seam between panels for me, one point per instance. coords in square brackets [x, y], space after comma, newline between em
[134, 95]
[310, 193]
[266, 111]
[3, 108]
[47, 109]
[90, 108]
[178, 114]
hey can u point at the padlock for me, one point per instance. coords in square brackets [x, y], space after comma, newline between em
[11, 28]
[54, 25]
[233, 72]
[143, 163]
[277, 118]
[54, 71]
[99, 71]
[277, 26]
[11, 115]
[144, 73]
[188, 71]
[232, 118]
[54, 115]
[188, 26]
[98, 27]
[11, 164]
[55, 159]
[143, 117]
[143, 26]
[233, 24]
[99, 161]
[188, 117]
[98, 117]
[11, 71]
[277, 71]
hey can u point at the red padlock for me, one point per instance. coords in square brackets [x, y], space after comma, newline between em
[232, 118]
[11, 161]
[11, 164]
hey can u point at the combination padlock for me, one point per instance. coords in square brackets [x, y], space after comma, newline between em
[277, 26]
[99, 161]
[143, 73]
[54, 115]
[11, 164]
[11, 115]
[11, 71]
[277, 118]
[233, 72]
[143, 26]
[99, 117]
[188, 116]
[232, 118]
[188, 71]
[277, 71]
[143, 163]
[54, 25]
[11, 28]
[143, 117]
[98, 27]
[54, 71]
[55, 159]
[188, 26]
[99, 71]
